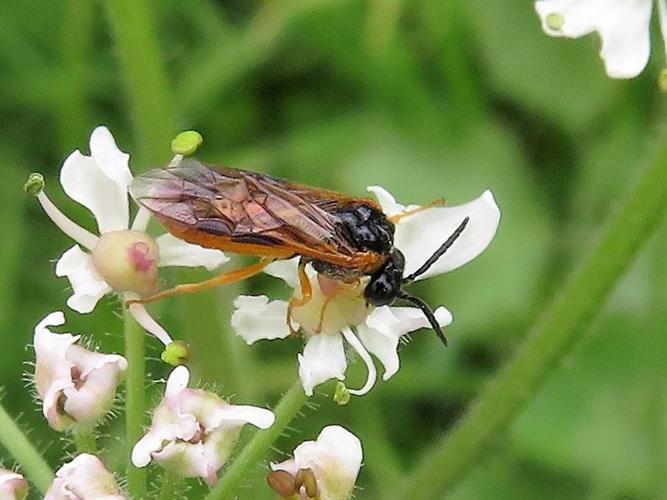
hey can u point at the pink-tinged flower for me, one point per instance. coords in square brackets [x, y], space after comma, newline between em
[325, 469]
[348, 319]
[624, 27]
[13, 485]
[75, 385]
[193, 431]
[84, 478]
[123, 258]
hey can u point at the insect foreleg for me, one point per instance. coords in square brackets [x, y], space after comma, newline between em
[306, 294]
[223, 279]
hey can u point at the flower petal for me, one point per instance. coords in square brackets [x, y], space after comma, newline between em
[420, 235]
[100, 181]
[88, 285]
[386, 325]
[256, 318]
[323, 358]
[286, 270]
[623, 26]
[175, 252]
[177, 382]
[240, 414]
[386, 200]
[52, 368]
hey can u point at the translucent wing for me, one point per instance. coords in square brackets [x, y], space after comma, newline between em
[248, 212]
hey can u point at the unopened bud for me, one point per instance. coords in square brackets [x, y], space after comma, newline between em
[177, 353]
[186, 143]
[34, 184]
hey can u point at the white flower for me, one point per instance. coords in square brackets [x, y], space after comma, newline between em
[325, 469]
[365, 329]
[76, 386]
[193, 432]
[623, 25]
[13, 485]
[123, 258]
[84, 478]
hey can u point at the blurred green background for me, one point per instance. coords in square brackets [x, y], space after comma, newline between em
[427, 98]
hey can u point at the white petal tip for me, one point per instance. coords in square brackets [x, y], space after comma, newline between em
[178, 381]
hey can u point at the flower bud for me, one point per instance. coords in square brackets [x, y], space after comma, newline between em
[75, 385]
[128, 261]
[85, 477]
[13, 485]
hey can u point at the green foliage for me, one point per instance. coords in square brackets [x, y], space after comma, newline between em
[427, 98]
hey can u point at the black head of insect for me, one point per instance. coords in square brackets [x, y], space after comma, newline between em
[386, 284]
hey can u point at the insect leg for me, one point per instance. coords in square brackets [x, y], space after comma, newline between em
[306, 294]
[407, 213]
[223, 279]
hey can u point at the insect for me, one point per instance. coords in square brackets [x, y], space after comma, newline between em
[345, 239]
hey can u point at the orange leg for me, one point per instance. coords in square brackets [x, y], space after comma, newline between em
[325, 304]
[306, 294]
[223, 279]
[396, 218]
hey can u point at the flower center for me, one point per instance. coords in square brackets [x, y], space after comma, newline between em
[127, 260]
[334, 306]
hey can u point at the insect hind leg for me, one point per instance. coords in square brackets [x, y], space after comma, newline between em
[223, 279]
[306, 295]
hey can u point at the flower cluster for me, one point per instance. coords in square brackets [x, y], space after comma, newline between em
[193, 431]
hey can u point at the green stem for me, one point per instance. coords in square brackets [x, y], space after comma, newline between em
[146, 82]
[135, 404]
[169, 485]
[84, 439]
[259, 445]
[19, 447]
[549, 341]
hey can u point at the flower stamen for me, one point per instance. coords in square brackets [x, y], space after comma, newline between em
[82, 236]
[138, 311]
[363, 354]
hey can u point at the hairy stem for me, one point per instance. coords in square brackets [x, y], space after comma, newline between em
[290, 404]
[135, 404]
[549, 341]
[21, 449]
[84, 439]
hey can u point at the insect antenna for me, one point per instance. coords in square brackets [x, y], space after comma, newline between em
[427, 312]
[439, 252]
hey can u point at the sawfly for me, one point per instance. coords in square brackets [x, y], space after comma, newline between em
[344, 238]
